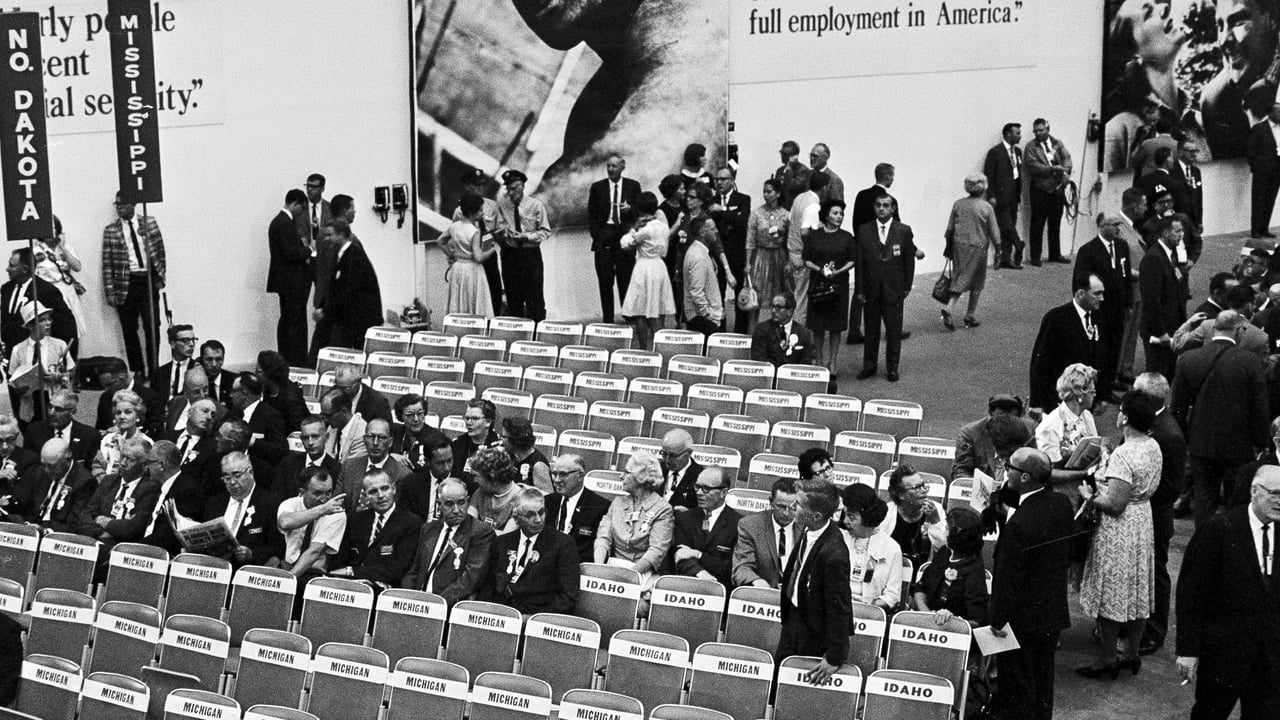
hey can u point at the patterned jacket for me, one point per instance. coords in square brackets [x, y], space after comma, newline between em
[115, 257]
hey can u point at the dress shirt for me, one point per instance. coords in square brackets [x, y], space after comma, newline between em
[566, 508]
[811, 539]
[376, 465]
[165, 487]
[1013, 159]
[327, 529]
[250, 408]
[884, 232]
[1255, 528]
[19, 296]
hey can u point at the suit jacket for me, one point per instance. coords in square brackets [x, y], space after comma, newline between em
[220, 387]
[173, 414]
[732, 222]
[1260, 149]
[188, 497]
[204, 463]
[864, 206]
[290, 271]
[1117, 284]
[161, 380]
[885, 272]
[767, 344]
[386, 558]
[371, 404]
[1002, 186]
[1173, 458]
[259, 532]
[22, 459]
[1228, 611]
[116, 249]
[84, 439]
[269, 423]
[1163, 305]
[1038, 168]
[352, 474]
[755, 556]
[1029, 574]
[354, 298]
[12, 331]
[302, 223]
[1190, 199]
[102, 502]
[685, 496]
[1061, 341]
[716, 544]
[548, 583]
[822, 585]
[459, 574]
[152, 424]
[289, 471]
[33, 487]
[1224, 412]
[599, 205]
[584, 523]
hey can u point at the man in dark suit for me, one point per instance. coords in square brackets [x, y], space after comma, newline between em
[885, 270]
[766, 538]
[381, 539]
[314, 227]
[536, 569]
[1229, 608]
[14, 460]
[1048, 168]
[114, 376]
[607, 201]
[353, 303]
[266, 425]
[1264, 162]
[62, 424]
[572, 509]
[1189, 199]
[17, 291]
[182, 488]
[863, 212]
[419, 491]
[213, 354]
[198, 448]
[816, 604]
[1164, 307]
[1108, 256]
[1219, 398]
[249, 510]
[289, 275]
[120, 509]
[1029, 586]
[781, 339]
[705, 536]
[731, 211]
[1068, 334]
[1173, 468]
[1003, 168]
[370, 404]
[679, 469]
[453, 552]
[52, 493]
[170, 379]
[312, 434]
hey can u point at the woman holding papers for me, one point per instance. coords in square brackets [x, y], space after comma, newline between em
[637, 530]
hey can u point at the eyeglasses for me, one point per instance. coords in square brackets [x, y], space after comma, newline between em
[531, 513]
[237, 474]
[1015, 468]
[915, 488]
[564, 473]
[700, 488]
[472, 418]
[670, 454]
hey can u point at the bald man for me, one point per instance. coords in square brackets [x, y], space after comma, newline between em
[52, 493]
[370, 404]
[679, 470]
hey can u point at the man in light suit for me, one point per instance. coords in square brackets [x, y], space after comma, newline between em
[1264, 163]
[705, 536]
[1068, 334]
[885, 270]
[781, 339]
[381, 539]
[453, 552]
[766, 539]
[536, 569]
[1003, 168]
[679, 469]
[249, 510]
[346, 429]
[1048, 165]
[289, 275]
[572, 509]
[1164, 307]
[133, 273]
[607, 201]
[377, 442]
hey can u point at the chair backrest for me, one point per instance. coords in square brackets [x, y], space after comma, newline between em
[331, 358]
[729, 346]
[388, 364]
[907, 695]
[495, 374]
[773, 405]
[426, 343]
[448, 398]
[936, 487]
[387, 339]
[866, 643]
[475, 348]
[635, 363]
[898, 418]
[561, 334]
[547, 380]
[544, 439]
[324, 384]
[273, 668]
[260, 597]
[510, 403]
[347, 681]
[584, 358]
[483, 636]
[653, 393]
[461, 324]
[452, 426]
[409, 623]
[195, 645]
[507, 696]
[928, 454]
[765, 468]
[960, 493]
[728, 459]
[671, 711]
[511, 329]
[691, 369]
[438, 368]
[670, 343]
[754, 618]
[648, 666]
[560, 411]
[629, 446]
[335, 610]
[837, 412]
[163, 682]
[799, 699]
[609, 336]
[619, 419]
[531, 353]
[596, 448]
[50, 687]
[596, 704]
[875, 450]
[561, 650]
[183, 703]
[125, 637]
[61, 621]
[844, 474]
[600, 386]
[12, 597]
[66, 561]
[746, 500]
[803, 379]
[694, 422]
[687, 607]
[607, 483]
[307, 380]
[733, 679]
[392, 388]
[609, 596]
[423, 687]
[275, 712]
[135, 573]
[748, 374]
[917, 642]
[793, 438]
[113, 696]
[715, 399]
[198, 585]
[744, 433]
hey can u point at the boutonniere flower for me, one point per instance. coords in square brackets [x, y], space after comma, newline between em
[647, 522]
[248, 515]
[951, 574]
[524, 472]
[533, 556]
[62, 497]
[129, 504]
[511, 561]
[457, 558]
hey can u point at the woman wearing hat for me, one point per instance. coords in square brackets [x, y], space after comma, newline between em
[28, 389]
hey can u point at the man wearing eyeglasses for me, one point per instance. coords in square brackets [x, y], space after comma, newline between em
[781, 339]
[705, 536]
[249, 511]
[133, 272]
[536, 569]
[572, 509]
[377, 443]
[170, 379]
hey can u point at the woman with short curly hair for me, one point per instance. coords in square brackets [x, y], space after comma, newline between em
[498, 479]
[637, 530]
[955, 583]
[1061, 430]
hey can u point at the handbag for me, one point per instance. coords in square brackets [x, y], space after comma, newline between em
[748, 298]
[942, 288]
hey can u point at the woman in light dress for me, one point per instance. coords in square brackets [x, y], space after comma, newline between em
[467, 252]
[649, 295]
[55, 262]
[971, 231]
[767, 247]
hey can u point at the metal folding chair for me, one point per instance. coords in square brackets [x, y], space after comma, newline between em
[875, 450]
[424, 688]
[729, 346]
[837, 412]
[765, 469]
[198, 585]
[907, 695]
[61, 622]
[744, 433]
[409, 623]
[583, 358]
[197, 646]
[715, 399]
[773, 405]
[594, 704]
[261, 597]
[793, 438]
[898, 418]
[687, 607]
[483, 636]
[798, 699]
[273, 668]
[928, 454]
[561, 650]
[433, 344]
[748, 374]
[560, 411]
[618, 419]
[50, 688]
[66, 561]
[754, 618]
[112, 696]
[803, 379]
[335, 610]
[695, 422]
[609, 336]
[125, 637]
[506, 696]
[347, 682]
[185, 703]
[733, 679]
[136, 573]
[547, 380]
[595, 448]
[648, 666]
[18, 546]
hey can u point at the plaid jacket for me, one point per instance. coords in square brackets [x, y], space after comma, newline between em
[115, 257]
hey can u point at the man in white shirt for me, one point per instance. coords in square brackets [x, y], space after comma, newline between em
[249, 510]
[164, 467]
[679, 469]
[346, 430]
[804, 217]
[572, 508]
[313, 522]
[169, 380]
[703, 304]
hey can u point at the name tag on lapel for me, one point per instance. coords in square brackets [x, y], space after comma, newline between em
[256, 531]
[897, 250]
[386, 550]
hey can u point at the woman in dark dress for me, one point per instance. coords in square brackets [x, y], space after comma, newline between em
[829, 253]
[911, 514]
[279, 391]
[531, 465]
[955, 583]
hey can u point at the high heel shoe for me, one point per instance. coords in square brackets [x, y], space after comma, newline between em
[971, 322]
[1134, 664]
[1111, 670]
[946, 321]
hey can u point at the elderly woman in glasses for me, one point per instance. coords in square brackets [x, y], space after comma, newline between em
[637, 530]
[912, 515]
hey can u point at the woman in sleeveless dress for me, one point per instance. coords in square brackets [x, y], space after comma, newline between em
[649, 295]
[467, 251]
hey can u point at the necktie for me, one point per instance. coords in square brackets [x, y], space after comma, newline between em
[795, 571]
[1089, 328]
[306, 538]
[117, 509]
[377, 527]
[124, 487]
[613, 210]
[137, 251]
[1111, 253]
[177, 379]
[315, 223]
[435, 562]
[1266, 549]
[185, 446]
[782, 543]
[524, 556]
[706, 524]
[884, 233]
[18, 294]
[517, 217]
[562, 522]
[235, 525]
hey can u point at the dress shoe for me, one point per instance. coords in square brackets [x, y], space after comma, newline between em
[1149, 647]
[1060, 260]
[971, 322]
[1035, 263]
[1134, 664]
[892, 375]
[1017, 266]
[1110, 670]
[1007, 266]
[865, 373]
[905, 334]
[854, 339]
[946, 321]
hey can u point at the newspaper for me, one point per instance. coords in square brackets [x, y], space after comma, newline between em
[1088, 451]
[211, 538]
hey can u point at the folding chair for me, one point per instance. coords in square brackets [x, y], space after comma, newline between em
[183, 704]
[917, 642]
[609, 596]
[748, 374]
[691, 369]
[729, 346]
[875, 450]
[425, 688]
[452, 426]
[596, 704]
[669, 343]
[347, 682]
[844, 474]
[748, 435]
[773, 405]
[687, 607]
[584, 358]
[330, 359]
[606, 483]
[432, 368]
[136, 573]
[595, 448]
[928, 454]
[902, 694]
[511, 329]
[50, 687]
[892, 417]
[597, 386]
[671, 711]
[733, 679]
[61, 622]
[387, 339]
[460, 324]
[653, 393]
[648, 666]
[164, 683]
[803, 379]
[560, 650]
[560, 411]
[793, 438]
[66, 561]
[275, 712]
[960, 492]
[112, 696]
[510, 403]
[746, 501]
[476, 348]
[496, 374]
[560, 334]
[936, 487]
[198, 585]
[798, 699]
[530, 353]
[409, 623]
[483, 636]
[618, 419]
[195, 645]
[547, 380]
[609, 336]
[261, 597]
[448, 398]
[629, 446]
[433, 344]
[837, 412]
[507, 696]
[715, 399]
[12, 598]
[754, 618]
[393, 388]
[335, 610]
[695, 422]
[273, 668]
[387, 364]
[764, 469]
[728, 459]
[306, 380]
[544, 439]
[324, 384]
[125, 637]
[866, 643]
[636, 363]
